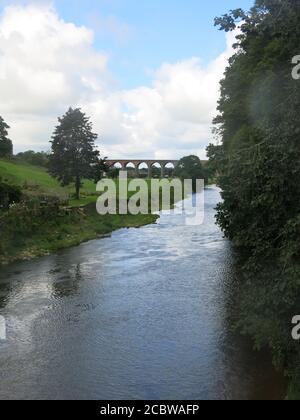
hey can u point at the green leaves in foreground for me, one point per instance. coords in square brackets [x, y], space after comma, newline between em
[259, 172]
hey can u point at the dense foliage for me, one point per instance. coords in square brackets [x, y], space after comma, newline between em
[258, 167]
[6, 146]
[190, 167]
[27, 219]
[9, 194]
[34, 158]
[73, 155]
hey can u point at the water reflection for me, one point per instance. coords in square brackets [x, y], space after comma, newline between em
[65, 282]
[140, 315]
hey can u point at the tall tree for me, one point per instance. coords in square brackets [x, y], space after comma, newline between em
[73, 154]
[6, 146]
[259, 125]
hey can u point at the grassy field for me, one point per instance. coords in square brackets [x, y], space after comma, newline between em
[36, 180]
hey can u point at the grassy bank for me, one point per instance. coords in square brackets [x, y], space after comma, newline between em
[29, 232]
[67, 231]
[35, 180]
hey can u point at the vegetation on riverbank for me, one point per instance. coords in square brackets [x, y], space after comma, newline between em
[25, 239]
[259, 173]
[52, 206]
[48, 218]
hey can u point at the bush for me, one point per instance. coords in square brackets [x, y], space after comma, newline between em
[9, 194]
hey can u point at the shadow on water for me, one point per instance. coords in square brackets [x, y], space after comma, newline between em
[263, 381]
[140, 315]
[65, 282]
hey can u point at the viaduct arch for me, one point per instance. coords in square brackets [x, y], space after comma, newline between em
[137, 163]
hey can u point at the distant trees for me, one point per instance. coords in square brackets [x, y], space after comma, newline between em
[100, 169]
[114, 173]
[73, 154]
[190, 167]
[34, 158]
[6, 146]
[156, 172]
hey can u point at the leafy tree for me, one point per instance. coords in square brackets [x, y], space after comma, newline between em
[259, 125]
[190, 167]
[6, 147]
[73, 155]
[100, 169]
[215, 155]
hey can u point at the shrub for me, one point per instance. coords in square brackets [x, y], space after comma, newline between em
[9, 194]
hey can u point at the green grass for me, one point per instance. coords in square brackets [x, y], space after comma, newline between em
[50, 235]
[20, 174]
[64, 232]
[36, 180]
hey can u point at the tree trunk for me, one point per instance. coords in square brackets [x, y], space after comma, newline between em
[77, 185]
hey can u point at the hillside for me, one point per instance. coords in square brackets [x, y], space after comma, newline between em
[35, 180]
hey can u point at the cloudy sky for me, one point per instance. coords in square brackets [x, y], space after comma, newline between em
[147, 72]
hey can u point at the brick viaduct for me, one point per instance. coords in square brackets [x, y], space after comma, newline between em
[137, 163]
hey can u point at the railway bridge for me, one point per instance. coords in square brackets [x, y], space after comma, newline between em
[135, 164]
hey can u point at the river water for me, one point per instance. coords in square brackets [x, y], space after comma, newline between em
[139, 315]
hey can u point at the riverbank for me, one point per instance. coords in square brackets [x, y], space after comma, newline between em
[67, 231]
[30, 230]
[84, 320]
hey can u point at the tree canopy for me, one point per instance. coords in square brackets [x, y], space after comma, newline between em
[259, 125]
[34, 158]
[6, 146]
[190, 167]
[73, 154]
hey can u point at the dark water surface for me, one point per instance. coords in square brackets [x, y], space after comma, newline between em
[140, 315]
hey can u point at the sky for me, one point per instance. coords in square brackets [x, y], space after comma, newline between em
[146, 72]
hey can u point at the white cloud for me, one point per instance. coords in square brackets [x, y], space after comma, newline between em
[170, 119]
[47, 64]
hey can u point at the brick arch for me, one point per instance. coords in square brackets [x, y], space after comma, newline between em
[117, 162]
[148, 162]
[170, 163]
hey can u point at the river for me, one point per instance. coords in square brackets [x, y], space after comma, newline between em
[138, 315]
